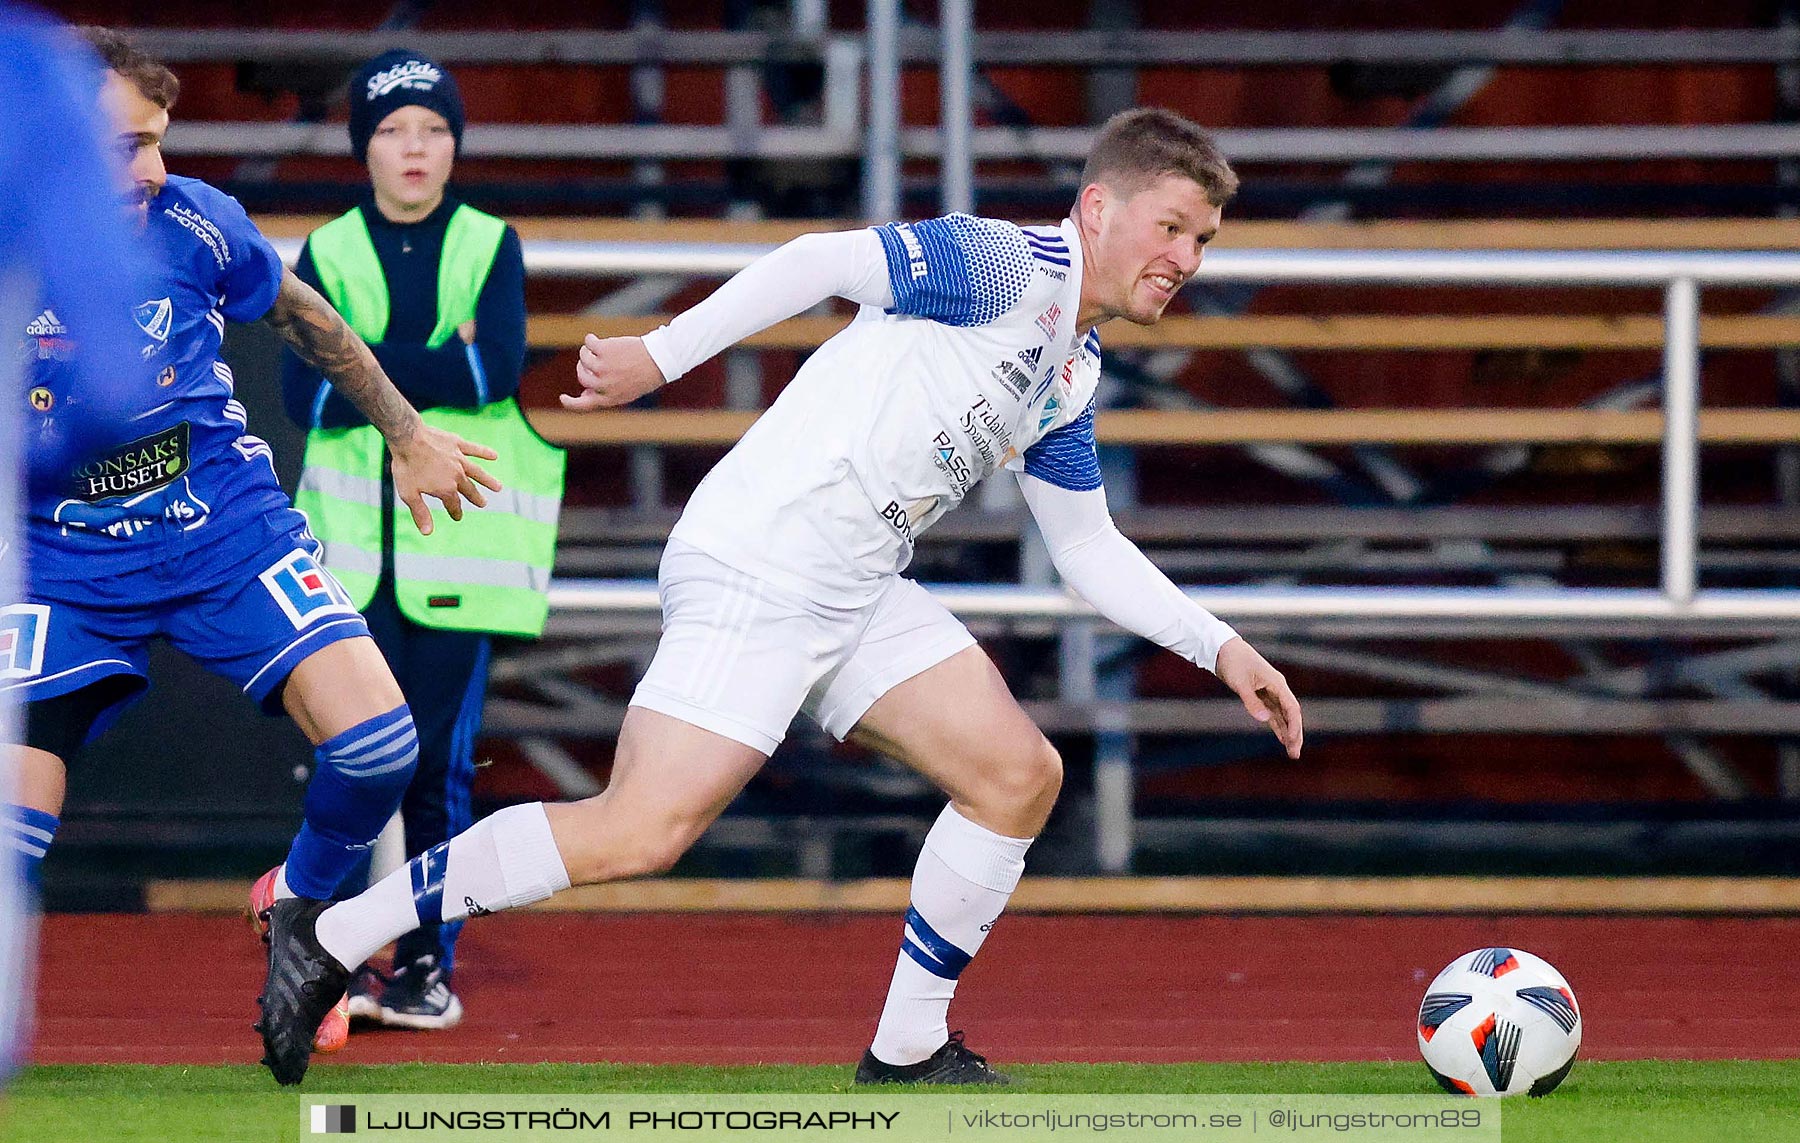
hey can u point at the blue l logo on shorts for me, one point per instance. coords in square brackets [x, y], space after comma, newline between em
[303, 588]
[22, 629]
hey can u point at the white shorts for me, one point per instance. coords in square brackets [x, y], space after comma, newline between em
[740, 656]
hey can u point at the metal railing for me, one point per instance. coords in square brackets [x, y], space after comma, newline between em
[1680, 275]
[854, 126]
[1060, 48]
[840, 138]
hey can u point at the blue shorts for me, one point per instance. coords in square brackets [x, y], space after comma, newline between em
[250, 610]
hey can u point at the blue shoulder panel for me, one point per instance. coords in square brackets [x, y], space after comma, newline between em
[1066, 457]
[959, 270]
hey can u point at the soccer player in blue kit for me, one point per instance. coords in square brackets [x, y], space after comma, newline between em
[181, 531]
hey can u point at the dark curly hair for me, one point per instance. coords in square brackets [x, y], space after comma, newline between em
[154, 81]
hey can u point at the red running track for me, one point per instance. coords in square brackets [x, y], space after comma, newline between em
[744, 989]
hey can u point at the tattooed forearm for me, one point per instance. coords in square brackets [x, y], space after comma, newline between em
[319, 335]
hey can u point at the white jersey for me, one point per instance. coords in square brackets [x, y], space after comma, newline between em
[977, 366]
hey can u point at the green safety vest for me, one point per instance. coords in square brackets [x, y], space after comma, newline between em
[491, 571]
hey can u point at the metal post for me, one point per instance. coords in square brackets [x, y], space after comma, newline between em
[649, 86]
[1681, 441]
[956, 164]
[1079, 683]
[646, 478]
[881, 164]
[1111, 90]
[743, 105]
[809, 19]
[743, 122]
[1115, 826]
[843, 86]
[743, 379]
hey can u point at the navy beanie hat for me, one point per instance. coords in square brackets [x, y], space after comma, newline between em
[397, 79]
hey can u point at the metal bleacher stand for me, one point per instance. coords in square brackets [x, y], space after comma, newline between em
[1297, 624]
[1477, 702]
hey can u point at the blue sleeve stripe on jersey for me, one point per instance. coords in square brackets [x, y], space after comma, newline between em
[958, 269]
[1066, 457]
[1052, 259]
[930, 280]
[899, 263]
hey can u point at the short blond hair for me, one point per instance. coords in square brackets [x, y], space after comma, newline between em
[1137, 147]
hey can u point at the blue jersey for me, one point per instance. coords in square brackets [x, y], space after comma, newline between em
[187, 471]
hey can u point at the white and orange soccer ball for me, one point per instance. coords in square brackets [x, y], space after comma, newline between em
[1499, 1022]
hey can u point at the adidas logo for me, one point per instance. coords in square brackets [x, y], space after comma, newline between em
[47, 324]
[1031, 356]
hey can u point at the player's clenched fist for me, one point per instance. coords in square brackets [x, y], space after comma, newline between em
[612, 371]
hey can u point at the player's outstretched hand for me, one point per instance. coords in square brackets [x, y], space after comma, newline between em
[1264, 691]
[436, 463]
[612, 371]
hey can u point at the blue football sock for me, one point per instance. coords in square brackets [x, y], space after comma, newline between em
[358, 781]
[28, 832]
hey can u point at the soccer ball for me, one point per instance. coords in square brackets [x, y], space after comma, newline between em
[1499, 1022]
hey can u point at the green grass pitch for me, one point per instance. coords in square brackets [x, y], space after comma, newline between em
[1746, 1101]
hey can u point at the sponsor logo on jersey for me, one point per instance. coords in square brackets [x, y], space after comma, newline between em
[951, 462]
[51, 336]
[123, 519]
[304, 590]
[1051, 408]
[143, 465]
[915, 251]
[167, 377]
[42, 399]
[46, 324]
[1050, 272]
[1012, 377]
[23, 630]
[414, 75]
[988, 431]
[903, 520]
[1047, 320]
[1031, 357]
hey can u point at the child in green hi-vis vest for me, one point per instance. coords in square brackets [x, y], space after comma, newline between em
[437, 288]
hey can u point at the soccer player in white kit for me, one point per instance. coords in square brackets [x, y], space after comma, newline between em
[974, 350]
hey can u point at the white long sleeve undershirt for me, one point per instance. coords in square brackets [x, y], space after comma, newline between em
[1108, 570]
[790, 280]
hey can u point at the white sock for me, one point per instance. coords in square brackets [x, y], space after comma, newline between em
[501, 862]
[964, 877]
[282, 892]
